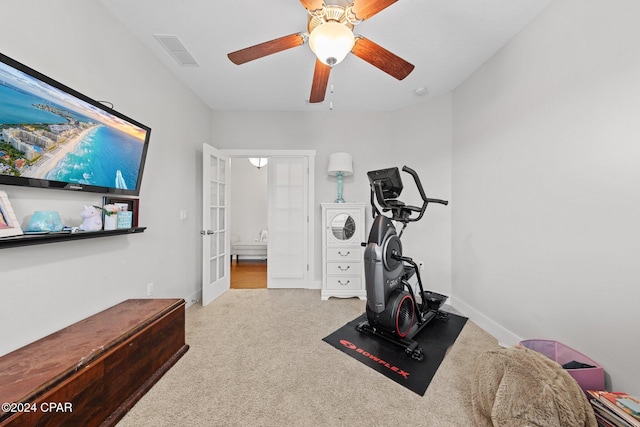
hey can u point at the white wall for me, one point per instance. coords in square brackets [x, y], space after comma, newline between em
[248, 199]
[419, 137]
[546, 185]
[44, 288]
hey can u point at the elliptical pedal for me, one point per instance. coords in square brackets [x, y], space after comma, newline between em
[365, 328]
[442, 315]
[416, 354]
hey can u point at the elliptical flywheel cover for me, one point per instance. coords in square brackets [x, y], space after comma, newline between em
[392, 246]
[403, 313]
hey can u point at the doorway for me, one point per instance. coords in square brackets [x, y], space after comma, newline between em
[249, 222]
[291, 261]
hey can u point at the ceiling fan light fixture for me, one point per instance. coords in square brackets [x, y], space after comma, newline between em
[331, 42]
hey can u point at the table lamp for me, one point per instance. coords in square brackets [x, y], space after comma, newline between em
[340, 164]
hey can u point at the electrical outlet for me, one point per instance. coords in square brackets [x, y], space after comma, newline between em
[183, 214]
[150, 289]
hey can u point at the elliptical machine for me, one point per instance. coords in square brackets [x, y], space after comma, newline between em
[393, 311]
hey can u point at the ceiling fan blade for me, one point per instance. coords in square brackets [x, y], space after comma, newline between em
[267, 48]
[365, 9]
[380, 57]
[312, 4]
[320, 80]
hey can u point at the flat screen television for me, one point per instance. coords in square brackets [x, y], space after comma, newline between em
[52, 136]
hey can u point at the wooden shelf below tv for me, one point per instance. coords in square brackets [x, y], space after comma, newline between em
[38, 239]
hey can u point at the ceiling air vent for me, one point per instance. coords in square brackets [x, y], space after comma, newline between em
[175, 47]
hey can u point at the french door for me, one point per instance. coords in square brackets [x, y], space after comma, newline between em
[215, 223]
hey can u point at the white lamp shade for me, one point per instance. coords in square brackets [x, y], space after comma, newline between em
[340, 162]
[331, 42]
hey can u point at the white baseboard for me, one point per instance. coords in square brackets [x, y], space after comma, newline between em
[316, 284]
[505, 337]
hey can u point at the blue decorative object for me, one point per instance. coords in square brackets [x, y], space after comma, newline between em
[125, 218]
[45, 221]
[340, 164]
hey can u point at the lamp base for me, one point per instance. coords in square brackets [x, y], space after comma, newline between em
[339, 199]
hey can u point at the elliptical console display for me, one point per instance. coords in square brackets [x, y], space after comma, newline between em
[393, 310]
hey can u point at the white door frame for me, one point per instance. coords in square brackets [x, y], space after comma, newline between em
[311, 155]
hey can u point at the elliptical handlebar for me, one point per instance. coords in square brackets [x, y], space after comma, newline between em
[425, 199]
[416, 178]
[386, 186]
[374, 208]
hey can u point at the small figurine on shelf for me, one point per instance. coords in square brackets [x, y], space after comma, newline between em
[91, 219]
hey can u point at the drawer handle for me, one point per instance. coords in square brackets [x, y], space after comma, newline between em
[343, 284]
[341, 254]
[343, 269]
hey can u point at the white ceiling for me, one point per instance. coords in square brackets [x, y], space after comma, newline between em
[446, 40]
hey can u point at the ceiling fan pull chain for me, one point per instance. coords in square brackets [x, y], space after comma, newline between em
[331, 100]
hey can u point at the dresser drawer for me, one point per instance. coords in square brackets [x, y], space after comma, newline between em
[344, 254]
[345, 282]
[342, 268]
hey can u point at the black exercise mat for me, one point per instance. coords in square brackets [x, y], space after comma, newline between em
[391, 360]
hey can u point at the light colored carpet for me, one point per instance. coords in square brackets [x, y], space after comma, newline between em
[257, 358]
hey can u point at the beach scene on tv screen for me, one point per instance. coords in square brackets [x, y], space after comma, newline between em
[48, 134]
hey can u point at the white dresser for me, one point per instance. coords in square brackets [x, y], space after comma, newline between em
[343, 231]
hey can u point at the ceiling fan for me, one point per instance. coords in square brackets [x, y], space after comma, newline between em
[330, 36]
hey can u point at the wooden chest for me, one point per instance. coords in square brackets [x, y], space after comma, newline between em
[92, 372]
